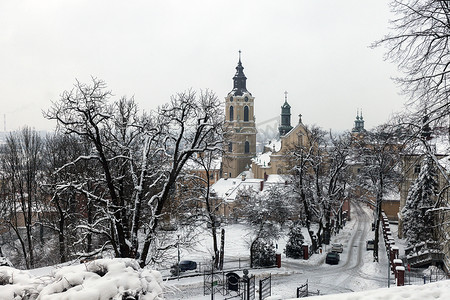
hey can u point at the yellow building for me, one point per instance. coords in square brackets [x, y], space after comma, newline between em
[240, 139]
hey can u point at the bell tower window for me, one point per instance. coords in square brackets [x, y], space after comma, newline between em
[247, 147]
[231, 113]
[245, 113]
[230, 147]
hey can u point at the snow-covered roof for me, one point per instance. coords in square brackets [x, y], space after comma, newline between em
[263, 159]
[275, 178]
[228, 188]
[439, 144]
[392, 195]
[274, 145]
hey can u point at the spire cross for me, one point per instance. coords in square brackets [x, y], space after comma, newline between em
[285, 96]
[239, 55]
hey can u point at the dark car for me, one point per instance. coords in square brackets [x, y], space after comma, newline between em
[186, 265]
[370, 245]
[332, 258]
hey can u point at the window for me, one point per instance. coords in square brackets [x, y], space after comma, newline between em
[246, 114]
[231, 113]
[416, 169]
[247, 147]
[230, 147]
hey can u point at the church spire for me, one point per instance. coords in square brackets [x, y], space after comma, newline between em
[285, 126]
[359, 122]
[239, 80]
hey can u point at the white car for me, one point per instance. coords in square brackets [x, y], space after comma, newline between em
[337, 248]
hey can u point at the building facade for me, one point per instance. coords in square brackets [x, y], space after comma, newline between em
[240, 127]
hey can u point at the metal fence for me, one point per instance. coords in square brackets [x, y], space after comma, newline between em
[416, 276]
[228, 265]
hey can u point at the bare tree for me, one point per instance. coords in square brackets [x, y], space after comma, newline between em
[193, 124]
[21, 163]
[65, 203]
[379, 152]
[418, 44]
[138, 158]
[320, 178]
[266, 212]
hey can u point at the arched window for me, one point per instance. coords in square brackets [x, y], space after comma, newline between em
[245, 113]
[230, 147]
[231, 113]
[247, 147]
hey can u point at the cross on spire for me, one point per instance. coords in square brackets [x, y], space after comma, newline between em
[285, 96]
[239, 54]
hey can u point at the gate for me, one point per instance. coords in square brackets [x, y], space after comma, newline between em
[213, 283]
[265, 287]
[247, 288]
[302, 291]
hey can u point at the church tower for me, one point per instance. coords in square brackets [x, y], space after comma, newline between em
[285, 126]
[240, 127]
[359, 123]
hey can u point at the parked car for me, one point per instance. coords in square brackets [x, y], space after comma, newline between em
[186, 265]
[332, 258]
[337, 248]
[370, 245]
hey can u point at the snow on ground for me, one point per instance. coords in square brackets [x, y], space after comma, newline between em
[111, 279]
[435, 290]
[101, 279]
[356, 271]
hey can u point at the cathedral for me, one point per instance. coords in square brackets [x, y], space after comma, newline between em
[240, 156]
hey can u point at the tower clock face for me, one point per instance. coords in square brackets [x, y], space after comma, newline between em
[231, 99]
[246, 98]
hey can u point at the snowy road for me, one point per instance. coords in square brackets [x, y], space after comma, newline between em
[356, 270]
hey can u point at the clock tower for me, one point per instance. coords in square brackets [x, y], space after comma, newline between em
[240, 127]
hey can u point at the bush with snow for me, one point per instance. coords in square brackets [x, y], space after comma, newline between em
[295, 242]
[17, 284]
[263, 254]
[103, 279]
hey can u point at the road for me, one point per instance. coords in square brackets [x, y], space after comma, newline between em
[356, 270]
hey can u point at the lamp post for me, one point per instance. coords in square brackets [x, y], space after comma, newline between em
[178, 249]
[389, 263]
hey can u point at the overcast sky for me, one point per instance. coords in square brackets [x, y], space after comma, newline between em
[317, 50]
